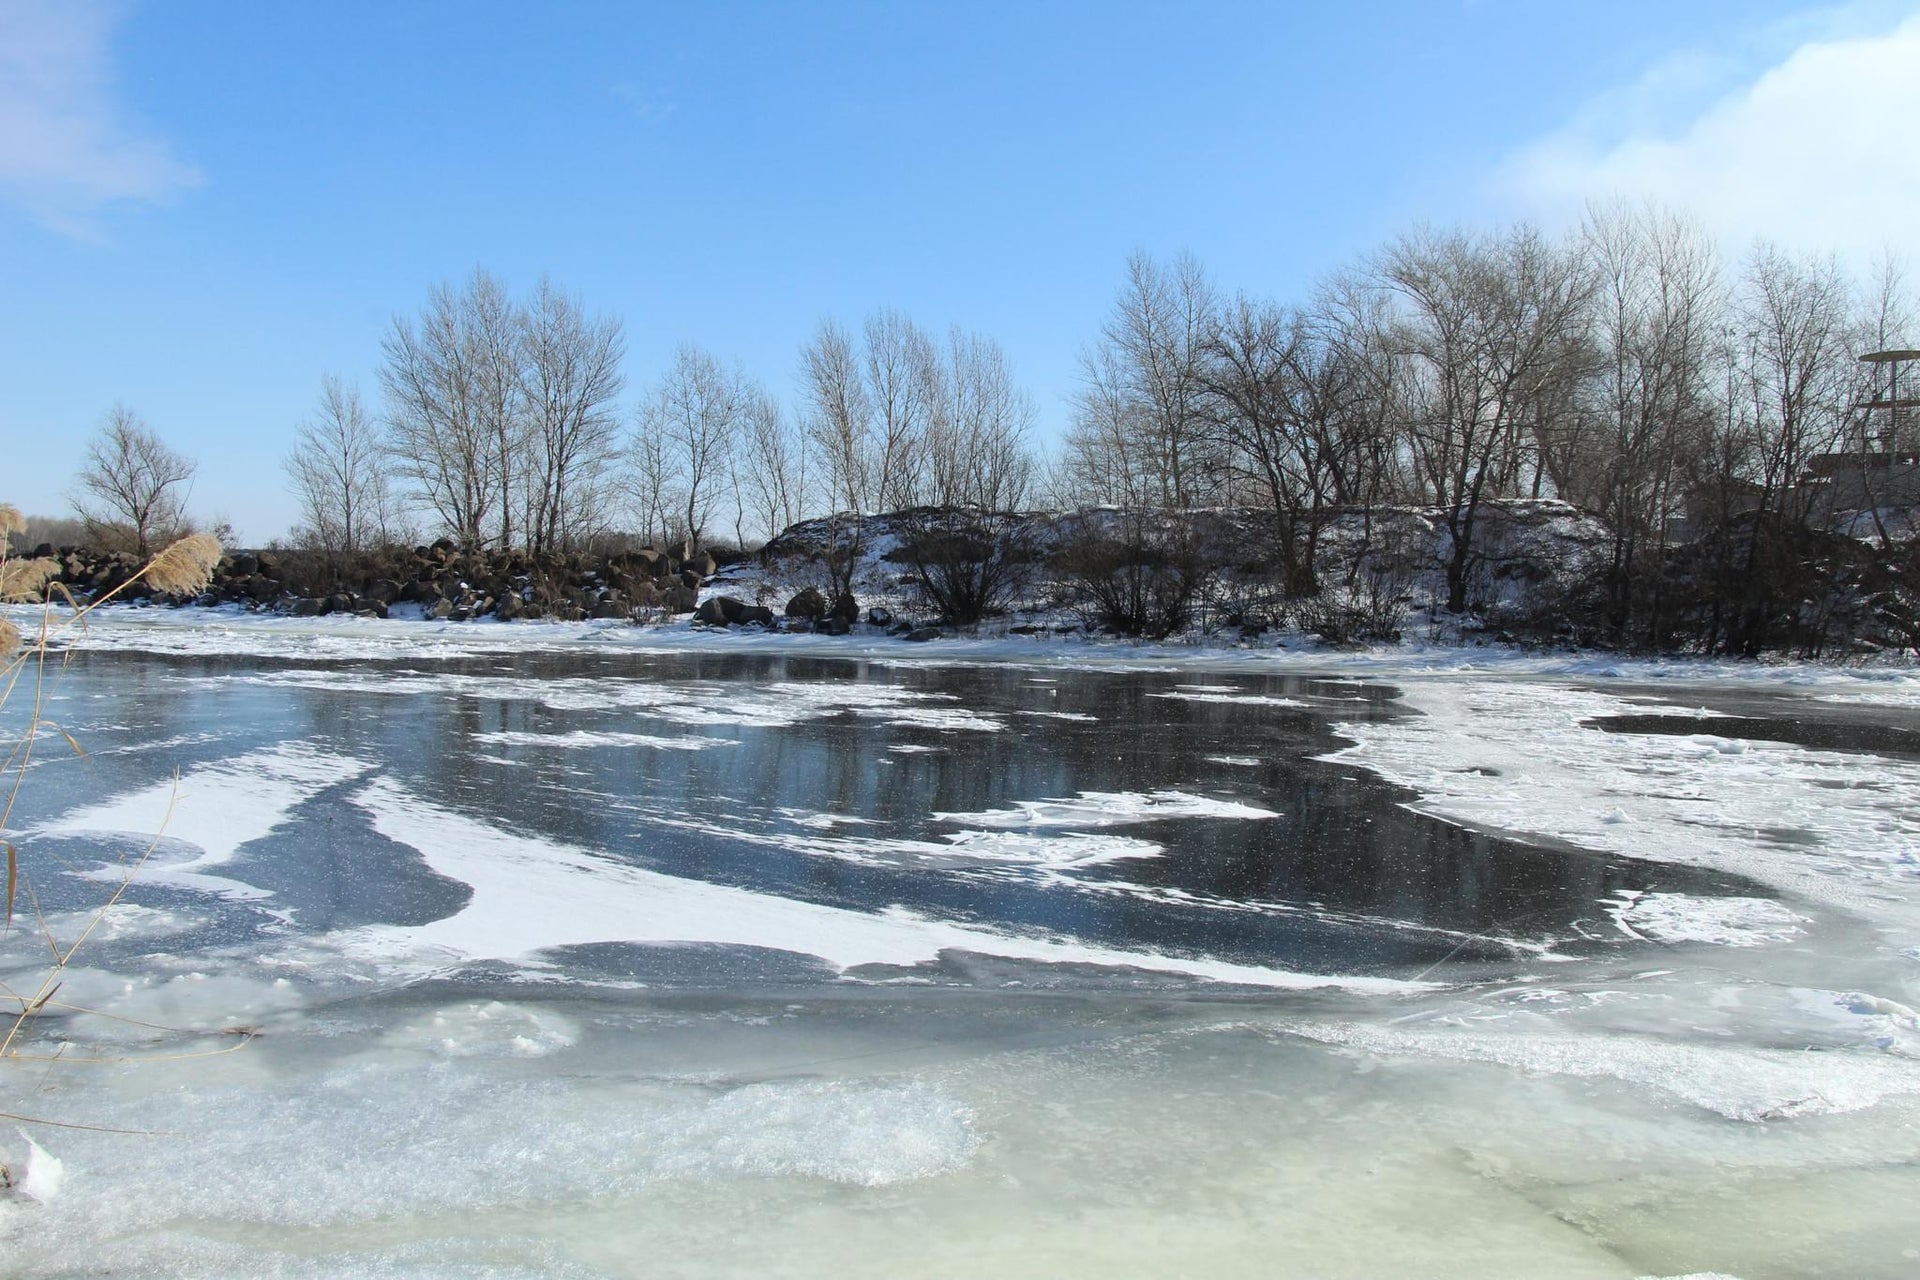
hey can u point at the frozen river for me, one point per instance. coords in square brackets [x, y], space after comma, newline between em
[573, 958]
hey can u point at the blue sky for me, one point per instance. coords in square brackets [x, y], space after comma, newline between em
[206, 206]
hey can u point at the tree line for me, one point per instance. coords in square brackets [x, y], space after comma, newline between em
[1700, 408]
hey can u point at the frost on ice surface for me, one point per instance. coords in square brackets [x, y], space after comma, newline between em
[588, 738]
[1108, 809]
[1725, 922]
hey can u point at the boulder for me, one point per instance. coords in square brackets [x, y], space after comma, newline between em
[807, 603]
[757, 615]
[703, 564]
[680, 598]
[833, 625]
[719, 611]
[440, 610]
[309, 607]
[921, 634]
[846, 609]
[880, 616]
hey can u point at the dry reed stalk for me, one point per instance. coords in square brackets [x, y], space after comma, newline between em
[186, 566]
[25, 581]
[182, 568]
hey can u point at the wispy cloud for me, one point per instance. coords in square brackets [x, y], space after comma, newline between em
[1817, 148]
[67, 152]
[650, 106]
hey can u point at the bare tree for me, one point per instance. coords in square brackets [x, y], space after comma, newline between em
[136, 487]
[839, 417]
[491, 328]
[1292, 411]
[570, 371]
[1657, 311]
[435, 432]
[1139, 434]
[973, 448]
[1492, 328]
[696, 413]
[904, 386]
[339, 474]
[772, 467]
[655, 473]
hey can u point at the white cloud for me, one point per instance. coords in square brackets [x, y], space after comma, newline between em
[1819, 149]
[66, 153]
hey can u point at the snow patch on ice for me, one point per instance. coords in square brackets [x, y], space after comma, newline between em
[1108, 809]
[589, 738]
[1185, 694]
[209, 815]
[1516, 757]
[1721, 922]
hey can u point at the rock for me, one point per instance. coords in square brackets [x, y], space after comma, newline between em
[722, 611]
[880, 616]
[833, 626]
[309, 607]
[757, 615]
[807, 603]
[845, 608]
[703, 564]
[609, 609]
[440, 610]
[680, 598]
[340, 602]
[508, 608]
[244, 565]
[921, 634]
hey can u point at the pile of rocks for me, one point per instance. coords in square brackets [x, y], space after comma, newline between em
[444, 581]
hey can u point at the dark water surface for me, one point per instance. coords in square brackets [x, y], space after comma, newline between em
[1343, 879]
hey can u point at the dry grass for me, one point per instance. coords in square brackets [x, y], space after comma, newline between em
[26, 665]
[11, 521]
[25, 581]
[185, 567]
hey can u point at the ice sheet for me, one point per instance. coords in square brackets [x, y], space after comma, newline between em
[530, 895]
[1838, 827]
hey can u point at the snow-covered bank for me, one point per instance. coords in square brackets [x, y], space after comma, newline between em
[227, 631]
